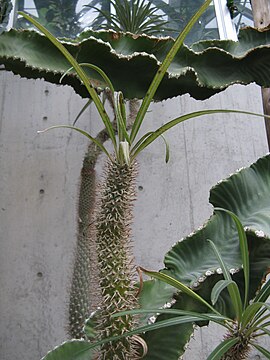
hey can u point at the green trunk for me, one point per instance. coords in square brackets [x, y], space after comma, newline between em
[116, 269]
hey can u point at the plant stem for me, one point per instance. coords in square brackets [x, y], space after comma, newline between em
[85, 294]
[116, 269]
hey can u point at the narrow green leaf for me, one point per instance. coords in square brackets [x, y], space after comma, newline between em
[108, 16]
[124, 151]
[218, 288]
[139, 142]
[143, 144]
[265, 324]
[257, 326]
[82, 75]
[259, 318]
[81, 132]
[167, 147]
[82, 111]
[179, 286]
[158, 325]
[250, 312]
[101, 73]
[207, 316]
[65, 74]
[232, 287]
[162, 70]
[262, 296]
[120, 117]
[262, 350]
[264, 292]
[264, 330]
[244, 250]
[122, 108]
[221, 349]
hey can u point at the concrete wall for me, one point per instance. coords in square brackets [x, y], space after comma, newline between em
[39, 182]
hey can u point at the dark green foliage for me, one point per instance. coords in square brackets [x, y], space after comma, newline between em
[193, 70]
[58, 16]
[135, 16]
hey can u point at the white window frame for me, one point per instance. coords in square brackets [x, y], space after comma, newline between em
[225, 24]
[11, 20]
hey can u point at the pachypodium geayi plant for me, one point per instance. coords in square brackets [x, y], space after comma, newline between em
[116, 269]
[116, 273]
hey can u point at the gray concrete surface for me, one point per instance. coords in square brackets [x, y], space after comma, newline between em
[39, 179]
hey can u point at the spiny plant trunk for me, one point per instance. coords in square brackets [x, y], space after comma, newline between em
[237, 352]
[85, 294]
[116, 269]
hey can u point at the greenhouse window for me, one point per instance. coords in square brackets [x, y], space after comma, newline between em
[67, 18]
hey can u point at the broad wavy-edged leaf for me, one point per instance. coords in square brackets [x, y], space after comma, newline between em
[71, 350]
[154, 294]
[129, 59]
[247, 194]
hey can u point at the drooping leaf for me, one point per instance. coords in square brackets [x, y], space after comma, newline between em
[123, 56]
[250, 311]
[80, 73]
[99, 144]
[232, 286]
[219, 286]
[243, 249]
[264, 292]
[179, 286]
[148, 138]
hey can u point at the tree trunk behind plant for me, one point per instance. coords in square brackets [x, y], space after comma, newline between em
[116, 269]
[261, 17]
